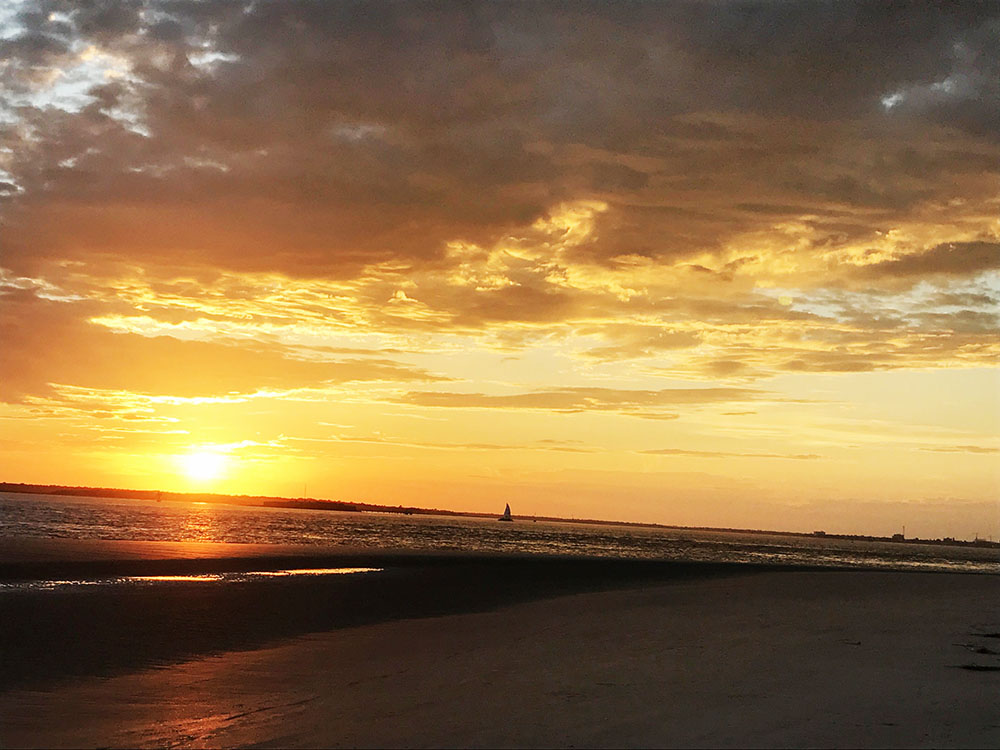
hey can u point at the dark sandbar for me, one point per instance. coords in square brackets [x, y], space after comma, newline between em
[49, 636]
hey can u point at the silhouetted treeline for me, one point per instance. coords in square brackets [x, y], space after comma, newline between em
[249, 500]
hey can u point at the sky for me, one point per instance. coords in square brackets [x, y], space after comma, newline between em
[708, 263]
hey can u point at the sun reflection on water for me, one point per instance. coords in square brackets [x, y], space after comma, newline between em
[207, 577]
[229, 577]
[248, 575]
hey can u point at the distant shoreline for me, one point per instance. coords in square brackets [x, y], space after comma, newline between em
[308, 503]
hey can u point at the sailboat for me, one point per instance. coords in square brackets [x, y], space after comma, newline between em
[506, 514]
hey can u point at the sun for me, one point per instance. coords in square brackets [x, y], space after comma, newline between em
[202, 466]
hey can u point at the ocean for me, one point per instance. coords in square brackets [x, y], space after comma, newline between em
[62, 517]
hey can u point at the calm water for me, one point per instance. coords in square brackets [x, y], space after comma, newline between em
[52, 516]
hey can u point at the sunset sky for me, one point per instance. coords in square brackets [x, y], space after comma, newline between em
[710, 263]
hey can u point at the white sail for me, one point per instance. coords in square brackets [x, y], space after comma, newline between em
[506, 514]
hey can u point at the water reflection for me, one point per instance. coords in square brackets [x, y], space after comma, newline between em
[199, 524]
[213, 577]
[248, 575]
[231, 577]
[316, 571]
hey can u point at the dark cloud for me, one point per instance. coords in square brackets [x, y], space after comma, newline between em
[950, 258]
[964, 321]
[725, 142]
[352, 132]
[965, 299]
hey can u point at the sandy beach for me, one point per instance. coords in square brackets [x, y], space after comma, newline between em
[782, 658]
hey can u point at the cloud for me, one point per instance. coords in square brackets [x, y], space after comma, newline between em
[953, 258]
[638, 340]
[723, 454]
[226, 132]
[977, 449]
[238, 186]
[48, 341]
[578, 399]
[543, 445]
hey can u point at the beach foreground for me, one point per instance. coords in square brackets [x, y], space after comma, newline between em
[786, 658]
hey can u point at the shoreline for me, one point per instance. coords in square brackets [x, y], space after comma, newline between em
[25, 560]
[120, 626]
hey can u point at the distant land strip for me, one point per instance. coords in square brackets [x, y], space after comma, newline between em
[310, 503]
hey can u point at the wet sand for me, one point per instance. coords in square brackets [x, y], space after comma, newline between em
[49, 636]
[693, 657]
